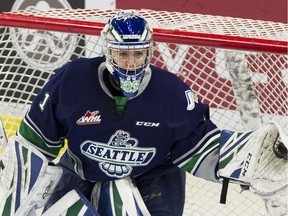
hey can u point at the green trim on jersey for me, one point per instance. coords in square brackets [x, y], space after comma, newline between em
[223, 162]
[29, 134]
[121, 101]
[199, 156]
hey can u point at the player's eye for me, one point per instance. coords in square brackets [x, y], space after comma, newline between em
[139, 54]
[123, 54]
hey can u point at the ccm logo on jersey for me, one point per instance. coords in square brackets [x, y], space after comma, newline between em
[147, 124]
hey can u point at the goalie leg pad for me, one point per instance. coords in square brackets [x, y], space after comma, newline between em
[117, 198]
[3, 138]
[73, 203]
[69, 181]
[26, 179]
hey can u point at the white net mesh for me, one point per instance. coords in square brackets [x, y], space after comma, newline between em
[244, 87]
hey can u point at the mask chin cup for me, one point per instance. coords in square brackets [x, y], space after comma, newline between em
[129, 84]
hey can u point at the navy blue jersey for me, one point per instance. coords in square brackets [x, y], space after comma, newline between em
[165, 121]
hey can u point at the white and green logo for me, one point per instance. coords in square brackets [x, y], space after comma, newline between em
[118, 157]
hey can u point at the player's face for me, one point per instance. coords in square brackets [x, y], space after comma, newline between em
[129, 59]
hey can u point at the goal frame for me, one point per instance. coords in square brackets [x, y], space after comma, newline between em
[159, 35]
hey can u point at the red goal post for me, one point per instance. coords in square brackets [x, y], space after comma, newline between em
[237, 66]
[228, 40]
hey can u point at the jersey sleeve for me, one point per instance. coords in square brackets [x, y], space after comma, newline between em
[196, 137]
[41, 126]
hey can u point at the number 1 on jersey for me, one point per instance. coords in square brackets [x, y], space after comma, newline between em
[44, 101]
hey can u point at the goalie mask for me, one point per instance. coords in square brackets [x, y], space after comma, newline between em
[127, 45]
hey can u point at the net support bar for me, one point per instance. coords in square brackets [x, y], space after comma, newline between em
[171, 36]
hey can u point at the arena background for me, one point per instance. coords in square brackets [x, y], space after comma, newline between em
[253, 9]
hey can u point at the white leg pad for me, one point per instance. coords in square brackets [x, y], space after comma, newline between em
[73, 202]
[119, 198]
[26, 179]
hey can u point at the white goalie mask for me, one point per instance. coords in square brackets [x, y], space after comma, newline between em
[127, 45]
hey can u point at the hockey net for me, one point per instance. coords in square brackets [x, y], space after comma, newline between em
[237, 66]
